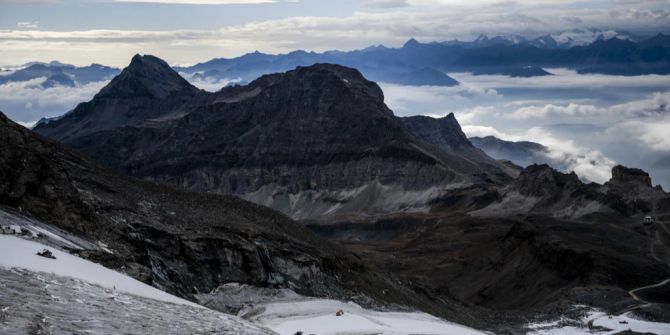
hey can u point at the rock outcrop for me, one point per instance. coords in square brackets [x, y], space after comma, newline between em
[624, 177]
[539, 189]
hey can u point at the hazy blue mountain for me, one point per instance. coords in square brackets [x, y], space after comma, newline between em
[562, 40]
[514, 71]
[375, 63]
[417, 63]
[59, 74]
[523, 153]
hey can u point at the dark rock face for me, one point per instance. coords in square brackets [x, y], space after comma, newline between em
[542, 180]
[145, 90]
[629, 177]
[444, 132]
[317, 128]
[146, 76]
[179, 241]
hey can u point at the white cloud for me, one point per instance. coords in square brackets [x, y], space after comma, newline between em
[27, 101]
[27, 25]
[202, 2]
[28, 125]
[567, 156]
[657, 104]
[551, 110]
[562, 154]
[482, 131]
[436, 100]
[564, 79]
[209, 84]
[654, 133]
[30, 2]
[385, 3]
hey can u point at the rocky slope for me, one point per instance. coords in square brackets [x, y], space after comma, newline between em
[514, 267]
[446, 134]
[317, 137]
[185, 243]
[542, 243]
[71, 306]
[539, 189]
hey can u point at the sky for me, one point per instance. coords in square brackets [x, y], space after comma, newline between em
[188, 31]
[589, 122]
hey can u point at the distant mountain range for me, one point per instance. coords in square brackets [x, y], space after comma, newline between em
[59, 74]
[562, 40]
[418, 63]
[415, 63]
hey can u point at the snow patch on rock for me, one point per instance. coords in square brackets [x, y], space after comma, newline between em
[19, 253]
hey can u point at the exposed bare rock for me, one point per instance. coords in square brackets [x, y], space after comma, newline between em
[183, 242]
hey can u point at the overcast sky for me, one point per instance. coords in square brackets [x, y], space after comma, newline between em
[188, 31]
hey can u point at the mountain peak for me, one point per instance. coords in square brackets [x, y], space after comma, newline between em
[542, 180]
[412, 42]
[331, 79]
[444, 132]
[147, 76]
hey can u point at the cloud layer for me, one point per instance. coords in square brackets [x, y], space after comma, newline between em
[588, 122]
[28, 101]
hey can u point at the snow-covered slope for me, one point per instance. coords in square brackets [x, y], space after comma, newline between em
[20, 253]
[602, 323]
[70, 295]
[43, 303]
[317, 316]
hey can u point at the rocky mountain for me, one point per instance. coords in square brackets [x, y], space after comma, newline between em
[312, 141]
[182, 242]
[420, 215]
[446, 134]
[541, 190]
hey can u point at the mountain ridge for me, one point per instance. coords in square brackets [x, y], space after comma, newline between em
[322, 128]
[182, 242]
